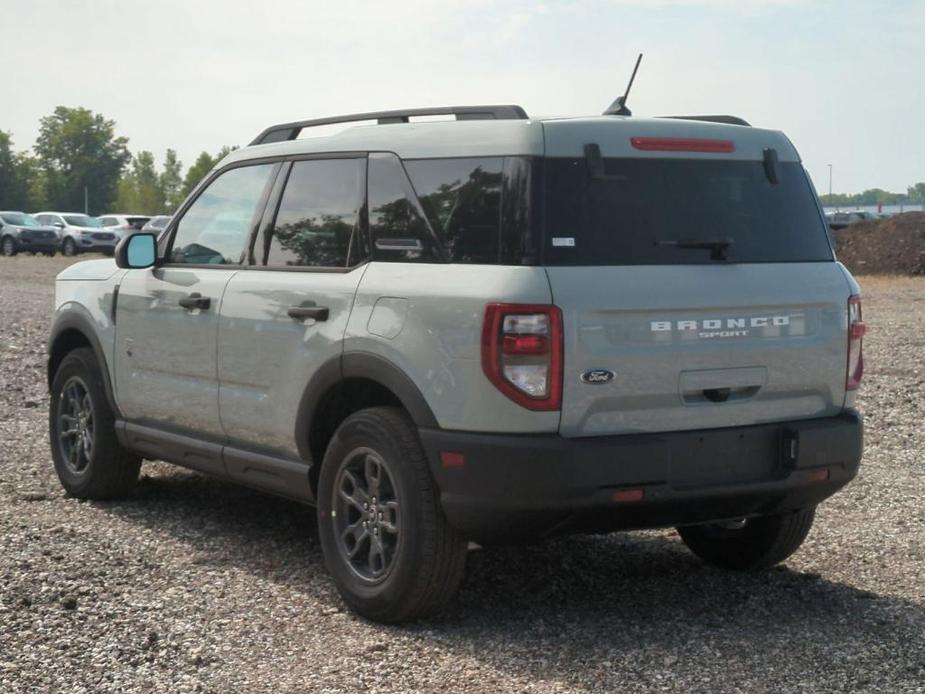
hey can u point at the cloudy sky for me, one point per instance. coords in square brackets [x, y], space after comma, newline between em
[844, 78]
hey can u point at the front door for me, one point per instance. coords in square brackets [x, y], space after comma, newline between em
[167, 316]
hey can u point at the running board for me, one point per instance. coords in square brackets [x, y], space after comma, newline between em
[287, 478]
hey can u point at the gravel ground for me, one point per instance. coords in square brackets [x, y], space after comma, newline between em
[196, 585]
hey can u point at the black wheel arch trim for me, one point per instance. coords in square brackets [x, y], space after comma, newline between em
[76, 319]
[350, 365]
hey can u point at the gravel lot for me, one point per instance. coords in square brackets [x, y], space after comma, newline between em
[196, 585]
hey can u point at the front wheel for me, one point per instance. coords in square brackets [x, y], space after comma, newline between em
[749, 544]
[389, 548]
[8, 246]
[69, 248]
[88, 458]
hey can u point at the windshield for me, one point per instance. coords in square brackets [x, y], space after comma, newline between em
[19, 219]
[82, 220]
[659, 211]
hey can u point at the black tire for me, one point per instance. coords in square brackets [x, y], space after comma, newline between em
[8, 246]
[69, 248]
[759, 543]
[428, 557]
[101, 468]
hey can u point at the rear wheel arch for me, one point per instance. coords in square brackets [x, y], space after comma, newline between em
[344, 385]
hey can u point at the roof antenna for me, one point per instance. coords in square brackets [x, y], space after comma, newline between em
[618, 107]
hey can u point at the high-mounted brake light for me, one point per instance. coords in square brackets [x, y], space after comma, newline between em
[522, 353]
[856, 330]
[682, 144]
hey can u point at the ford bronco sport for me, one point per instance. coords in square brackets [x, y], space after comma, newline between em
[490, 329]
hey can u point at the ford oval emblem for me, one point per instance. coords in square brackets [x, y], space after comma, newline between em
[597, 377]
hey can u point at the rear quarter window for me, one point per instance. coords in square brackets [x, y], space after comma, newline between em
[462, 200]
[640, 208]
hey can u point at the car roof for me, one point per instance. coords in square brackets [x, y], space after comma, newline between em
[554, 137]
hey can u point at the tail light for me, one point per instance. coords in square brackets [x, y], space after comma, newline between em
[856, 330]
[522, 353]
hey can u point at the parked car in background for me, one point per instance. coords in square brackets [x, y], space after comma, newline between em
[840, 220]
[123, 224]
[22, 232]
[79, 232]
[156, 225]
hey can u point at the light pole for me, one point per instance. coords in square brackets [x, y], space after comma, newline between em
[830, 183]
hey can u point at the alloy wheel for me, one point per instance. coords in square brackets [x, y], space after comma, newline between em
[75, 425]
[366, 517]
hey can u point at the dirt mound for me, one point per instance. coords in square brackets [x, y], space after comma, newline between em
[892, 246]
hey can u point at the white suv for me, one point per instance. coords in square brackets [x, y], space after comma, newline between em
[79, 232]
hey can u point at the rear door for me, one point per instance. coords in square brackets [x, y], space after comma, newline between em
[284, 317]
[696, 292]
[167, 316]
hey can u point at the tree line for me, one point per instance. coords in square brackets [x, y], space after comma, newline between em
[914, 194]
[77, 158]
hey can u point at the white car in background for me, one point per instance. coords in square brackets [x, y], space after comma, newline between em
[79, 232]
[123, 224]
[157, 224]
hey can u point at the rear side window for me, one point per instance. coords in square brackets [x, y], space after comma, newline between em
[399, 230]
[462, 200]
[318, 217]
[108, 221]
[652, 211]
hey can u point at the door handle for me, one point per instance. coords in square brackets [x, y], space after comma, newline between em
[308, 309]
[195, 300]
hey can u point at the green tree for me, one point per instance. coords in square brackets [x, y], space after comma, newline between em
[916, 193]
[203, 165]
[171, 180]
[8, 182]
[139, 190]
[32, 187]
[79, 150]
[22, 186]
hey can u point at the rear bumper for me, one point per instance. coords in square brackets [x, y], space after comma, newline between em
[514, 486]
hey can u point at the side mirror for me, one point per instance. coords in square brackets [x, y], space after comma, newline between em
[137, 251]
[58, 224]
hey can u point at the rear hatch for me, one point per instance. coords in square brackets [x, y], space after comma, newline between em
[695, 277]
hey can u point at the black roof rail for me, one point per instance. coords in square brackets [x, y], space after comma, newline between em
[290, 131]
[728, 120]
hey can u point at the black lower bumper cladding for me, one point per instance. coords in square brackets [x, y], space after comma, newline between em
[515, 486]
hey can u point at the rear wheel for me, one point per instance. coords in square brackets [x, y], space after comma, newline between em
[749, 544]
[88, 458]
[388, 546]
[8, 246]
[69, 248]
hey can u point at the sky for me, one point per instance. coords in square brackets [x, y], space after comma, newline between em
[845, 79]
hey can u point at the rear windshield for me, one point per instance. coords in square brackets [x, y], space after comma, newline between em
[657, 211]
